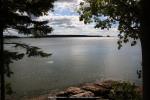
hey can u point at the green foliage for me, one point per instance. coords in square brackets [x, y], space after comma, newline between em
[9, 90]
[31, 50]
[19, 14]
[105, 13]
[9, 58]
[124, 91]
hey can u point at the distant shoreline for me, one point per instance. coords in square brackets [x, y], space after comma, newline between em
[58, 36]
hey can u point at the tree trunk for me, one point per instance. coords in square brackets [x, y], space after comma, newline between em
[145, 67]
[2, 65]
[145, 30]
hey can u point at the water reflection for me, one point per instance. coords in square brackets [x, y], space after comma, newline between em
[74, 61]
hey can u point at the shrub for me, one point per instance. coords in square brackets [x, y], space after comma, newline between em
[124, 91]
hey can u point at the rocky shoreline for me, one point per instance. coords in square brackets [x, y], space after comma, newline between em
[88, 91]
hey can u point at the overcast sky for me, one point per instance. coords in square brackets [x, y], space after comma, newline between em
[65, 20]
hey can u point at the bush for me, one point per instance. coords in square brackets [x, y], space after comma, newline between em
[124, 91]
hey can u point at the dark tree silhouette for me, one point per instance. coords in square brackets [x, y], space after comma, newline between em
[128, 14]
[18, 14]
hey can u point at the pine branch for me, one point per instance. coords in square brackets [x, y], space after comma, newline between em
[30, 50]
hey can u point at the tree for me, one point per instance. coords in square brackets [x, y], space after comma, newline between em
[128, 14]
[19, 14]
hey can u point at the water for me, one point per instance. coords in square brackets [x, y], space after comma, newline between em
[73, 61]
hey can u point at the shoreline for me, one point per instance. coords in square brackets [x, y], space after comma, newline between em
[56, 36]
[99, 89]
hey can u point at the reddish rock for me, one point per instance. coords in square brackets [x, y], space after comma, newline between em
[84, 94]
[96, 89]
[70, 91]
[74, 90]
[106, 84]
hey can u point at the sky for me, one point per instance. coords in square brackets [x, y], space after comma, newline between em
[65, 20]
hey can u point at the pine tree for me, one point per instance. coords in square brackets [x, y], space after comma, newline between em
[18, 15]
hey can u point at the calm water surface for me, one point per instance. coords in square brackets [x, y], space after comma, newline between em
[73, 61]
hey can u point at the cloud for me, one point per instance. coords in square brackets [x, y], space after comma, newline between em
[61, 21]
[12, 32]
[66, 0]
[72, 25]
[69, 1]
[65, 24]
[65, 20]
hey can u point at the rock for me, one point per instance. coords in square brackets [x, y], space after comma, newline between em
[70, 91]
[84, 94]
[96, 89]
[74, 90]
[107, 84]
[62, 94]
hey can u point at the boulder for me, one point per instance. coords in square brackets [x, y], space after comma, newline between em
[96, 89]
[62, 94]
[70, 91]
[74, 90]
[106, 84]
[84, 94]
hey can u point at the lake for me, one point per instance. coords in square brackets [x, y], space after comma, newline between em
[74, 61]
